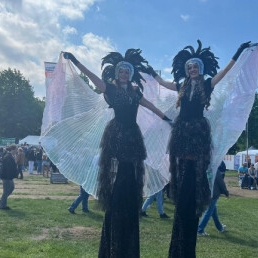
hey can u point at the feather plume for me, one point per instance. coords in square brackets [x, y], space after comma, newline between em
[209, 60]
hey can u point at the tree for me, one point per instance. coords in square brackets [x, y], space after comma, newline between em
[87, 80]
[252, 128]
[234, 149]
[20, 112]
[253, 124]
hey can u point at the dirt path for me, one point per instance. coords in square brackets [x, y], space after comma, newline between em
[39, 187]
[235, 190]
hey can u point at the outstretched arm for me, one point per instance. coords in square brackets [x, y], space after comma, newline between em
[94, 78]
[219, 76]
[145, 103]
[166, 84]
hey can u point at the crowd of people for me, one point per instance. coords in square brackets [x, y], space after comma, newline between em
[122, 150]
[248, 176]
[30, 158]
[15, 160]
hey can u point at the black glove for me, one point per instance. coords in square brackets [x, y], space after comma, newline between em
[167, 120]
[150, 70]
[240, 50]
[70, 56]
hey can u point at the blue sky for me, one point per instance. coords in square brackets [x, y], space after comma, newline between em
[32, 32]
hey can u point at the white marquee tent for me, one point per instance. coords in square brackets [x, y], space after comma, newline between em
[31, 140]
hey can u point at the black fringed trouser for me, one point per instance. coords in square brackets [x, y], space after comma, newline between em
[184, 232]
[120, 231]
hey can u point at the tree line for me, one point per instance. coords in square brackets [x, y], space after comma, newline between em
[21, 112]
[249, 136]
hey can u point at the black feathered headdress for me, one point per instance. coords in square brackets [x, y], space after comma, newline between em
[205, 55]
[132, 56]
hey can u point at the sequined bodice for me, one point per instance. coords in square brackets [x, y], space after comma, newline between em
[124, 103]
[192, 105]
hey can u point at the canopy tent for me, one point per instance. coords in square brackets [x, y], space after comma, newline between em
[31, 140]
[251, 148]
[250, 152]
[241, 157]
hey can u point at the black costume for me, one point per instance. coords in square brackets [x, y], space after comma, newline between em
[75, 152]
[122, 154]
[121, 160]
[190, 146]
[189, 149]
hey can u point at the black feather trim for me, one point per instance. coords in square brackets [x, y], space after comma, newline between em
[209, 60]
[132, 56]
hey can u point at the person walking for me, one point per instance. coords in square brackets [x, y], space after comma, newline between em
[159, 202]
[82, 198]
[9, 172]
[218, 189]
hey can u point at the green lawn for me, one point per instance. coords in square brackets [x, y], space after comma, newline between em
[44, 228]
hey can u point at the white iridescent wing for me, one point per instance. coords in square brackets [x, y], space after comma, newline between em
[75, 117]
[156, 133]
[73, 123]
[231, 103]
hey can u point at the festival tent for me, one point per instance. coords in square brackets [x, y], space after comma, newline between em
[31, 140]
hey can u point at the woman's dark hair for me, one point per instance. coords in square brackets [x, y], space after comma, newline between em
[187, 83]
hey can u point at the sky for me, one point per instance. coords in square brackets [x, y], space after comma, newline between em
[36, 31]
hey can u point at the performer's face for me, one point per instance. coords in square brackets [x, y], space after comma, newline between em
[123, 76]
[193, 70]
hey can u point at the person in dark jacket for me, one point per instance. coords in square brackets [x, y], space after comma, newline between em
[8, 174]
[219, 188]
[222, 168]
[39, 155]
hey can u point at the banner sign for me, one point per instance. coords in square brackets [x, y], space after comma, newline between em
[49, 70]
[7, 141]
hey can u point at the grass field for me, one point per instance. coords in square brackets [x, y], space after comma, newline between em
[44, 228]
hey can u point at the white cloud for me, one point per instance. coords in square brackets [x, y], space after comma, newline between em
[32, 32]
[185, 17]
[69, 30]
[167, 70]
[92, 51]
[67, 8]
[97, 43]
